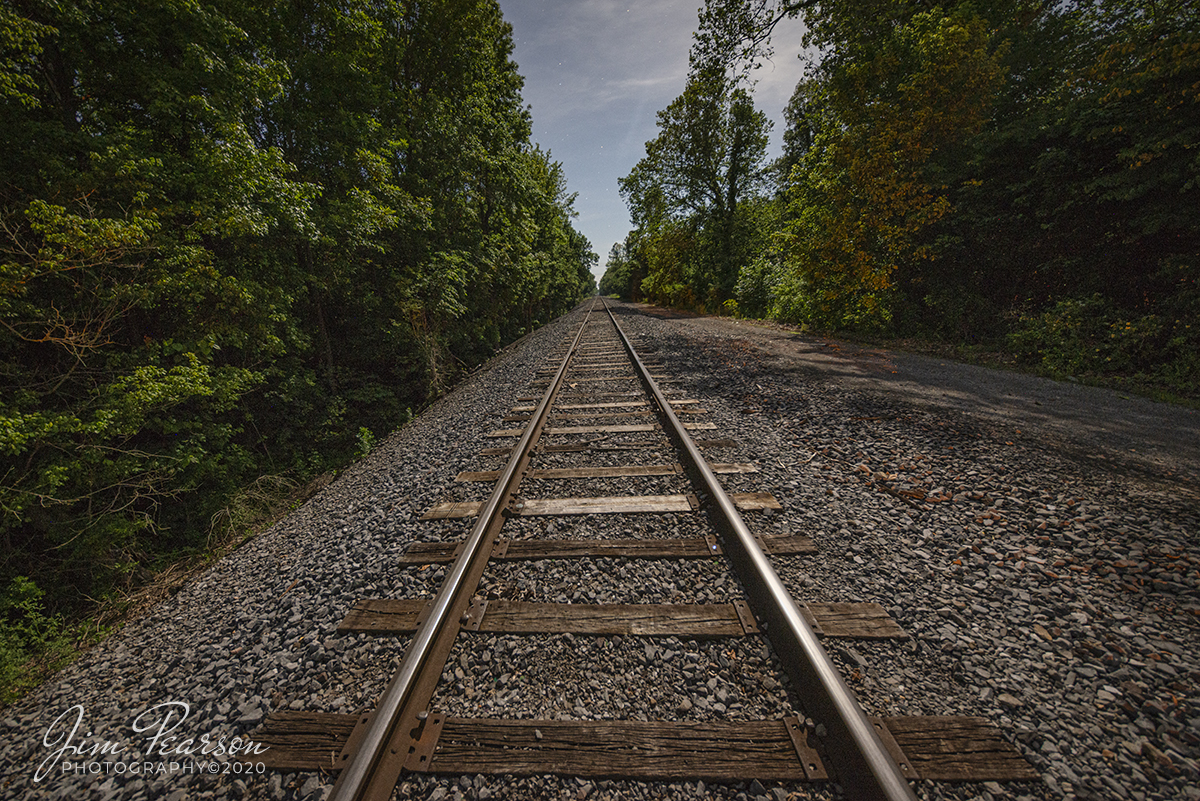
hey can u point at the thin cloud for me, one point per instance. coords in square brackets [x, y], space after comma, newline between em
[597, 71]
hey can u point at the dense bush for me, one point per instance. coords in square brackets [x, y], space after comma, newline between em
[1093, 338]
[988, 174]
[241, 239]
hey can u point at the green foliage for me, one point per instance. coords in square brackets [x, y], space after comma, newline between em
[1000, 174]
[32, 643]
[759, 284]
[1091, 337]
[867, 188]
[1081, 181]
[236, 239]
[617, 281]
[668, 253]
[20, 47]
[688, 196]
[366, 441]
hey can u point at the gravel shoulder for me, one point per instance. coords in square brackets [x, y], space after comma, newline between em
[1038, 541]
[1090, 422]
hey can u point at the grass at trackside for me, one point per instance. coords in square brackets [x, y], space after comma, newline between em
[34, 646]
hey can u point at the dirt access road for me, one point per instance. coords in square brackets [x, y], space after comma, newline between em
[1123, 431]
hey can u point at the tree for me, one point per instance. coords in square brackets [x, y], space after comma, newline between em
[976, 171]
[868, 187]
[234, 236]
[615, 280]
[706, 159]
[129, 329]
[735, 35]
[623, 273]
[797, 135]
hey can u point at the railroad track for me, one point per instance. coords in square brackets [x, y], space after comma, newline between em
[604, 416]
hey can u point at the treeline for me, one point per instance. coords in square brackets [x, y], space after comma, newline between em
[1017, 174]
[241, 239]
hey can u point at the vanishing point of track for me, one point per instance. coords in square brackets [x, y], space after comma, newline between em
[598, 379]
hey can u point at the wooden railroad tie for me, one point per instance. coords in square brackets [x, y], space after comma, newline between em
[620, 504]
[606, 405]
[607, 472]
[572, 381]
[424, 553]
[867, 621]
[626, 428]
[936, 747]
[601, 445]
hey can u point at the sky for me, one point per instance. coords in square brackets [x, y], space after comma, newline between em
[596, 73]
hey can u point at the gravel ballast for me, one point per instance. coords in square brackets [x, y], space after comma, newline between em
[1043, 587]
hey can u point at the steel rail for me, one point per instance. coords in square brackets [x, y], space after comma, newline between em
[357, 780]
[860, 760]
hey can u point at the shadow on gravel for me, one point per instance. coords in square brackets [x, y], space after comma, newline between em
[653, 311]
[1097, 427]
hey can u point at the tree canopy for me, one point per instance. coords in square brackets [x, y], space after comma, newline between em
[687, 196]
[1016, 173]
[245, 238]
